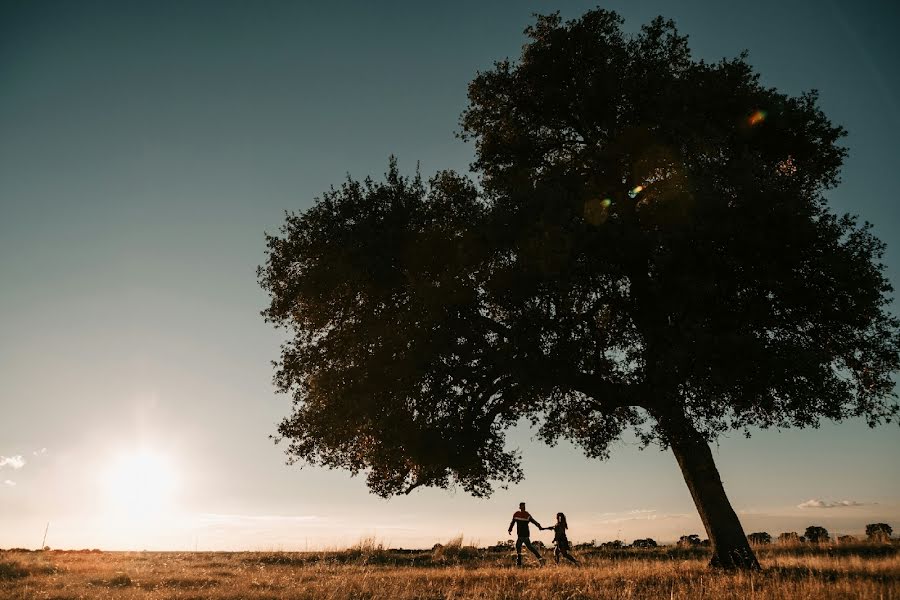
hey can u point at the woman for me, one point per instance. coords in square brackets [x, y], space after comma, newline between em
[560, 539]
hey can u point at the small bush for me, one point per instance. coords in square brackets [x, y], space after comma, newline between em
[760, 538]
[12, 570]
[454, 551]
[789, 538]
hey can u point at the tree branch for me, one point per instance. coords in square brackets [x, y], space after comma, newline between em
[411, 487]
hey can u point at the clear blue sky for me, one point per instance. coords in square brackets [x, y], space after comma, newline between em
[145, 148]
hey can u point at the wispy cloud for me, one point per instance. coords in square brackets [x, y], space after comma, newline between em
[819, 503]
[649, 514]
[40, 452]
[9, 482]
[16, 462]
[236, 518]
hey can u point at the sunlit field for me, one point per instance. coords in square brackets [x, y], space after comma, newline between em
[454, 571]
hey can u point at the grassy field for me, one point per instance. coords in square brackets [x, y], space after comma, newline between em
[367, 571]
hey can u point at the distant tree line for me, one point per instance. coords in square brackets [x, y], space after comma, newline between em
[814, 534]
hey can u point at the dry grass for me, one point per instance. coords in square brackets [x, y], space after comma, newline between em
[370, 571]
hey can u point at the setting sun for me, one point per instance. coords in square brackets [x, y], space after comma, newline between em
[140, 485]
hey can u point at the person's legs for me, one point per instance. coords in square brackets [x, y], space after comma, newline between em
[563, 548]
[519, 542]
[556, 554]
[531, 547]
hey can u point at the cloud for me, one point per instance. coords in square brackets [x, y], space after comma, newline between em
[9, 482]
[40, 452]
[238, 519]
[640, 515]
[819, 503]
[16, 462]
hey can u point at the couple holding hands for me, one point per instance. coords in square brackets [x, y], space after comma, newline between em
[522, 518]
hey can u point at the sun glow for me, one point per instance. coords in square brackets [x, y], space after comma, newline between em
[140, 486]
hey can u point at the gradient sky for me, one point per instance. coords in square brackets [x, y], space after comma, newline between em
[146, 147]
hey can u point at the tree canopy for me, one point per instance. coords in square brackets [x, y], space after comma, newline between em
[648, 247]
[816, 534]
[879, 531]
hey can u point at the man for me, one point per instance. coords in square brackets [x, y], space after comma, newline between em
[521, 519]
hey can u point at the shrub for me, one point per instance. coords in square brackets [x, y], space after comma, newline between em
[11, 570]
[644, 543]
[454, 550]
[500, 546]
[760, 538]
[789, 538]
[689, 541]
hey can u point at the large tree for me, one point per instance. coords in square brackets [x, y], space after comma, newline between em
[648, 249]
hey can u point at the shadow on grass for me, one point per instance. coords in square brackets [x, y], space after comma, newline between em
[118, 581]
[12, 570]
[828, 575]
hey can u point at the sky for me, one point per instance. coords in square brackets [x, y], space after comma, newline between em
[145, 149]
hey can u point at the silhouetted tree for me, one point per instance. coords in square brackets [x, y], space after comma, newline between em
[760, 538]
[878, 532]
[649, 249]
[790, 537]
[644, 543]
[689, 541]
[816, 534]
[502, 546]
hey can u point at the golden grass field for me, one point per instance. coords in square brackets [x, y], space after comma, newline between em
[368, 571]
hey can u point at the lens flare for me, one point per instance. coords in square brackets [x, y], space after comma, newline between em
[757, 117]
[635, 191]
[595, 210]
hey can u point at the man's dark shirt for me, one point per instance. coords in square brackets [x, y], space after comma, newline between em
[522, 518]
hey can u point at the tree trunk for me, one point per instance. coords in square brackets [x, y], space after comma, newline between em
[729, 544]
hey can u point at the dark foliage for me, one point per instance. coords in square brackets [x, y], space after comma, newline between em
[816, 534]
[790, 537]
[879, 532]
[760, 538]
